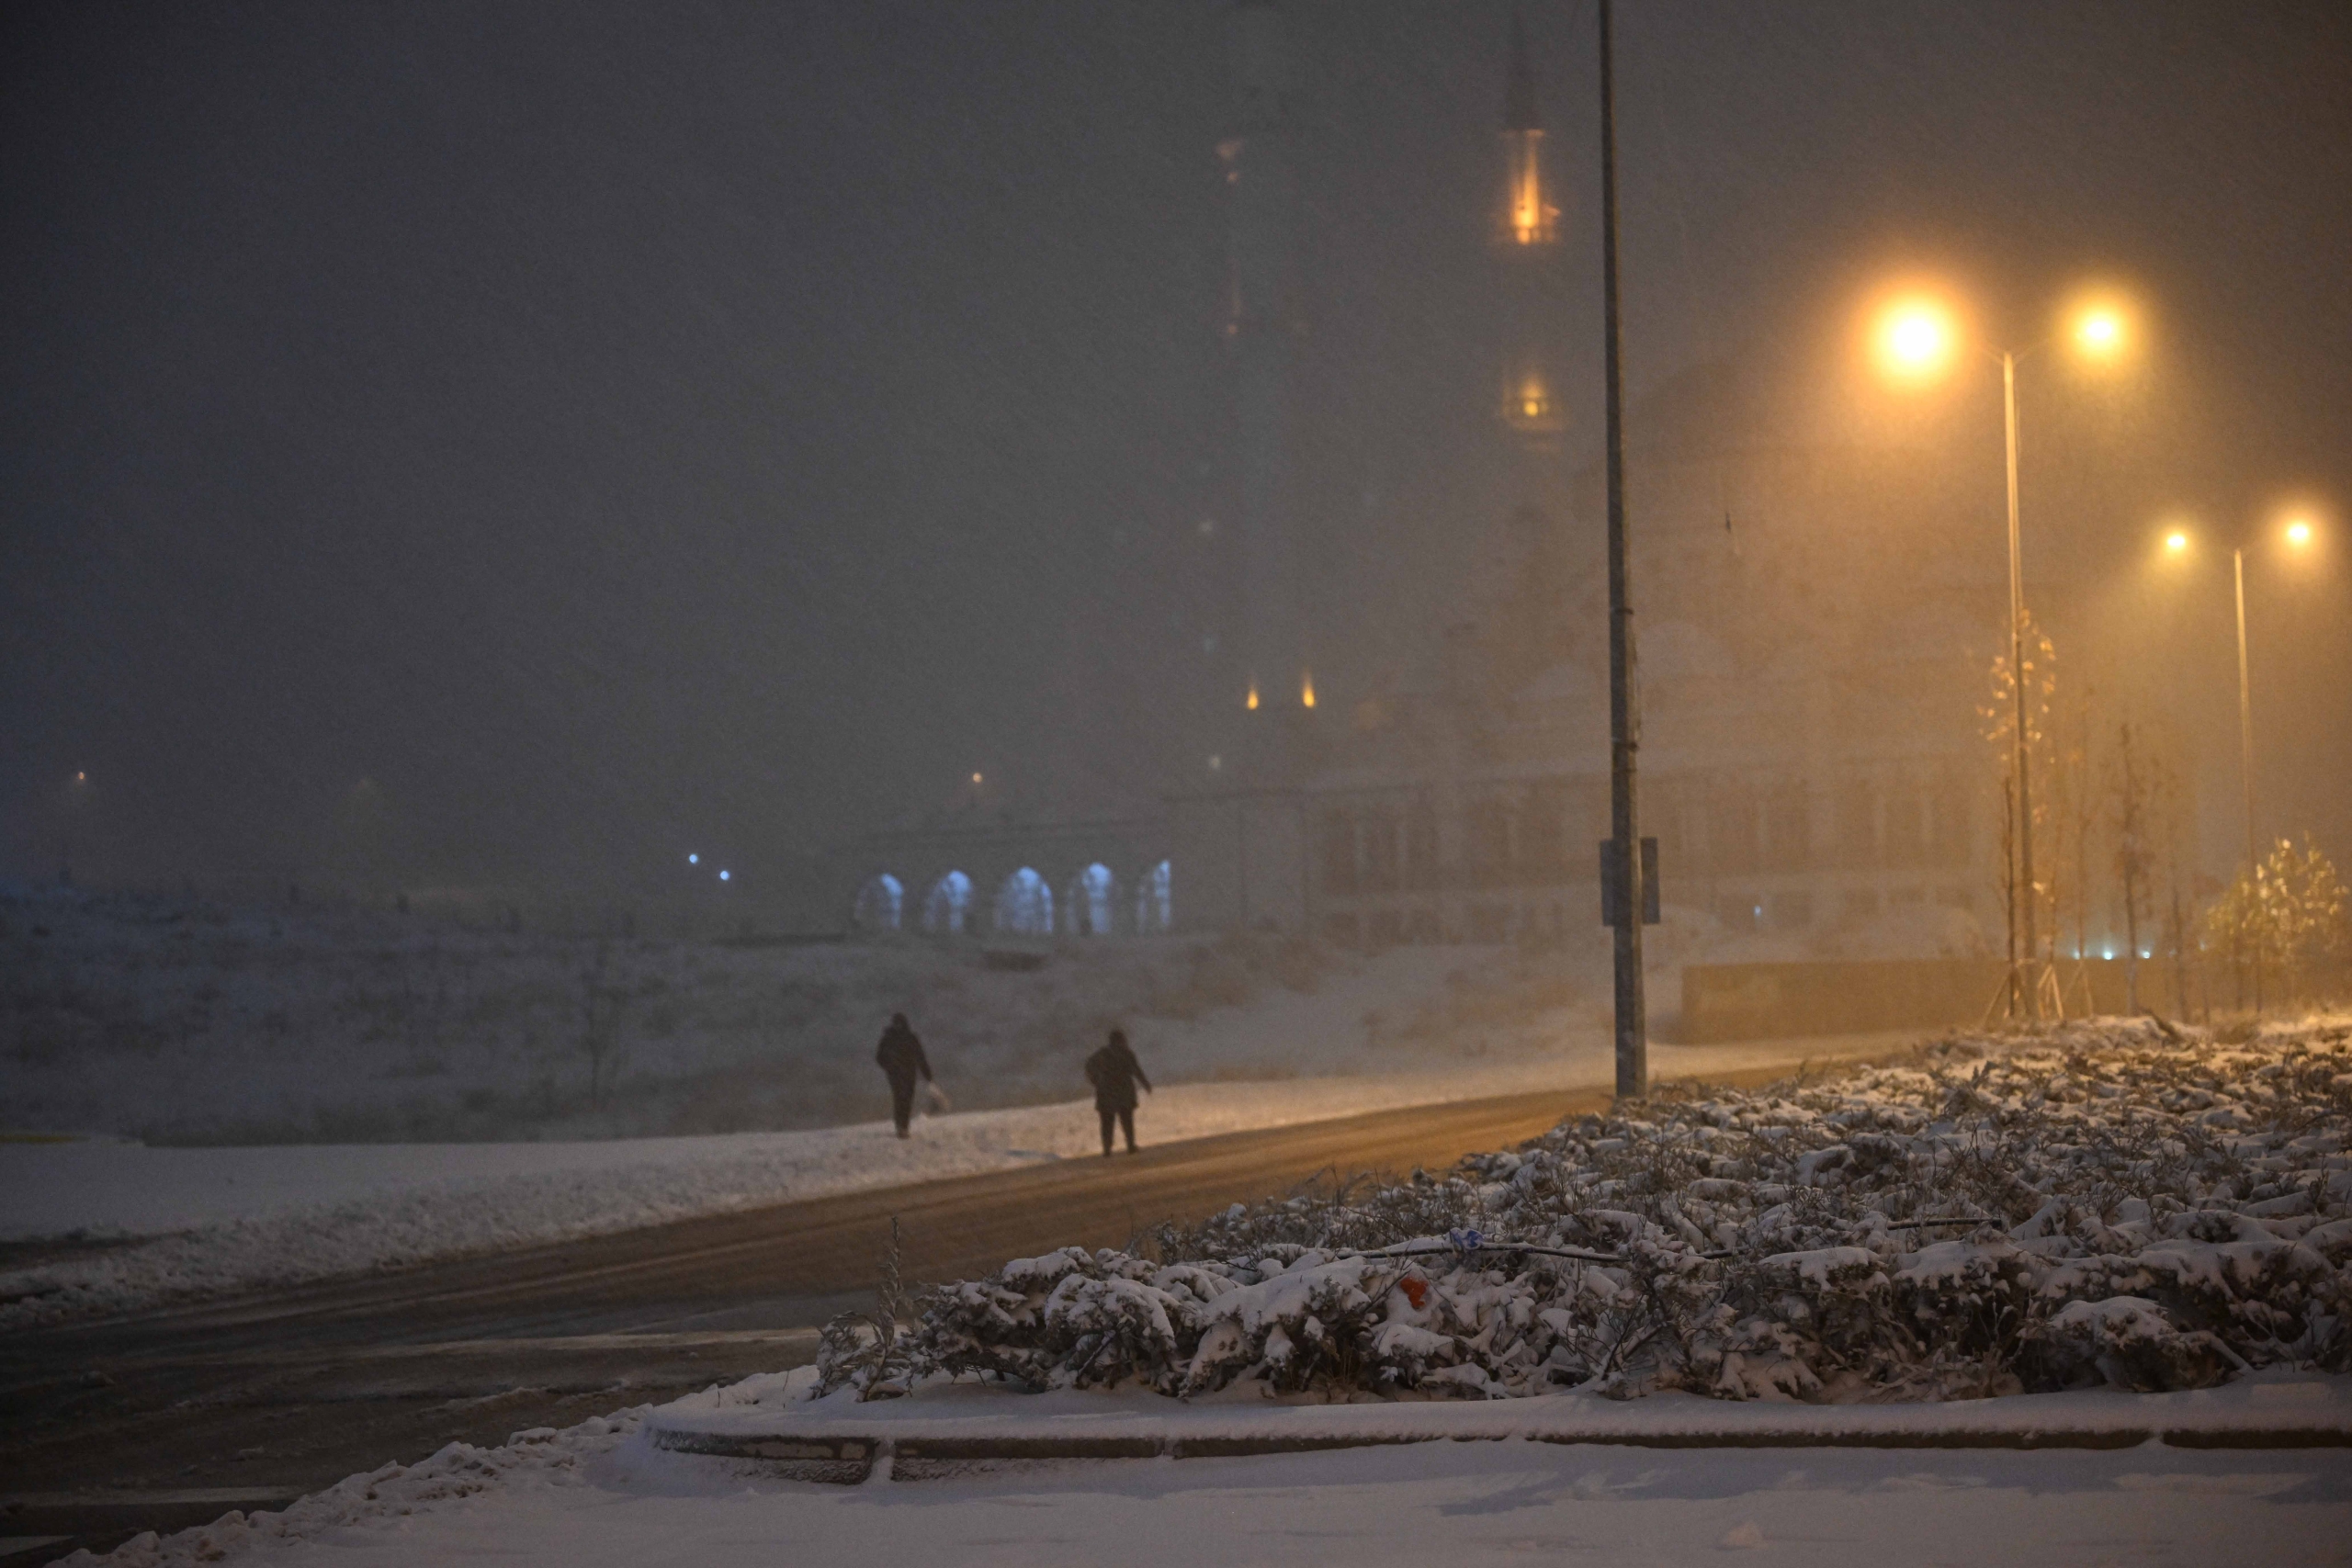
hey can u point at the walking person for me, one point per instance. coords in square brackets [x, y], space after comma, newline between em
[1114, 1072]
[903, 1063]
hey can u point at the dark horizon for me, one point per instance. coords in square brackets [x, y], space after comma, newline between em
[620, 433]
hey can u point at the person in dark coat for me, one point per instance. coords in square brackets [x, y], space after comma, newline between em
[1114, 1072]
[904, 1065]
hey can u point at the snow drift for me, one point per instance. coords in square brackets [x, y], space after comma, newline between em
[2117, 1204]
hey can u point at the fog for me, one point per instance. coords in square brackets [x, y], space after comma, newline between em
[609, 432]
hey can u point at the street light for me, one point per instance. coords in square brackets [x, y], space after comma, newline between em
[1915, 339]
[2298, 533]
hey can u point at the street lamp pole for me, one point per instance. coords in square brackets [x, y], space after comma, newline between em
[2245, 708]
[1624, 717]
[2026, 890]
[2245, 749]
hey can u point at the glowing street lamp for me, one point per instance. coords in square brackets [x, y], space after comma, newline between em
[2099, 331]
[2298, 533]
[1916, 337]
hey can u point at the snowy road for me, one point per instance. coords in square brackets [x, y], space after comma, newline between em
[114, 1426]
[166, 1419]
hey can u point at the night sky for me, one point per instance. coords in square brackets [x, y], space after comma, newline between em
[607, 428]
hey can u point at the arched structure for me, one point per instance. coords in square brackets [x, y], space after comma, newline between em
[1155, 908]
[1090, 904]
[880, 904]
[1025, 904]
[977, 854]
[947, 908]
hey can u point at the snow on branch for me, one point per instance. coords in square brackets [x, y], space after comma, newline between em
[2115, 1202]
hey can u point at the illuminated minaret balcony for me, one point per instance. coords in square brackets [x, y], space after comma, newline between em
[1530, 222]
[1528, 404]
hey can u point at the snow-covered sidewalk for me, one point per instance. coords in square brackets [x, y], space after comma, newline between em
[603, 1494]
[215, 1220]
[772, 1417]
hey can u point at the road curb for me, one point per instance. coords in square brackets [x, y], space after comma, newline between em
[851, 1457]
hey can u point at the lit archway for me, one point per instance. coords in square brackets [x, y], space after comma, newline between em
[1154, 909]
[878, 904]
[1089, 905]
[947, 908]
[1026, 904]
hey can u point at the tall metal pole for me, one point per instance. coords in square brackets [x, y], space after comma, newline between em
[2026, 890]
[2245, 711]
[1624, 718]
[2245, 752]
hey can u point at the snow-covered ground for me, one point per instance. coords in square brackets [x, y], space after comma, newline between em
[222, 1218]
[185, 1022]
[600, 1495]
[181, 1021]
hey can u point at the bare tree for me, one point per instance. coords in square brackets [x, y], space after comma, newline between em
[1998, 714]
[2128, 781]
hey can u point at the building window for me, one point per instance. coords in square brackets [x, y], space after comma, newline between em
[1857, 824]
[1949, 831]
[1906, 836]
[1380, 852]
[1730, 828]
[1788, 827]
[1489, 835]
[1339, 853]
[1420, 844]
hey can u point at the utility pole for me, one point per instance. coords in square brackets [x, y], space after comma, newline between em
[1624, 717]
[2245, 757]
[2027, 891]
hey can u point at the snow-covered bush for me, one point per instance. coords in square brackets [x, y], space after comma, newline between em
[2118, 1203]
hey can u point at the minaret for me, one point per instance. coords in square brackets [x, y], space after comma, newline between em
[1527, 241]
[1533, 631]
[1260, 326]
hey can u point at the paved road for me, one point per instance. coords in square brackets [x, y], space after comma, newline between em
[169, 1420]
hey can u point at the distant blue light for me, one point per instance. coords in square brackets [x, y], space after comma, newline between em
[724, 876]
[693, 860]
[2107, 952]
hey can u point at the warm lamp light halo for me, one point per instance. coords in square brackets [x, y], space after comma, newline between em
[1915, 336]
[2097, 321]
